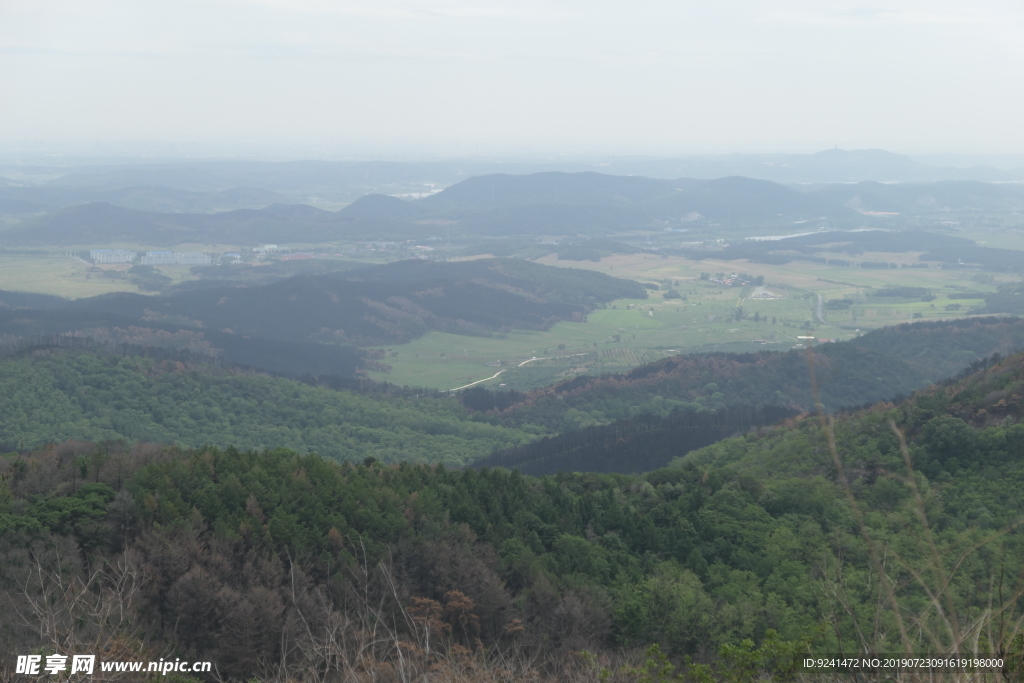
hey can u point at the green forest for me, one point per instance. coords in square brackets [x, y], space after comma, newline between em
[881, 365]
[53, 396]
[49, 395]
[890, 529]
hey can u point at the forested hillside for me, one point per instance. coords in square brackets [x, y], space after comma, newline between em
[1008, 300]
[640, 444]
[191, 398]
[880, 365]
[54, 395]
[781, 538]
[662, 428]
[966, 434]
[127, 335]
[384, 304]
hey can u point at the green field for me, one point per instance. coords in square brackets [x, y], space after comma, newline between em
[999, 238]
[61, 276]
[705, 321]
[71, 277]
[627, 333]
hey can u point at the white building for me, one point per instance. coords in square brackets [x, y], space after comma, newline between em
[176, 258]
[159, 258]
[192, 258]
[111, 256]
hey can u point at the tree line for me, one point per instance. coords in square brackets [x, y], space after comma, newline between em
[842, 534]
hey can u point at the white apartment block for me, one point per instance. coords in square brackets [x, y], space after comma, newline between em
[176, 258]
[111, 256]
[159, 258]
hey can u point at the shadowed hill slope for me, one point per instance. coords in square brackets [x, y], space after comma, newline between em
[387, 304]
[878, 366]
[965, 434]
[641, 444]
[989, 393]
[308, 324]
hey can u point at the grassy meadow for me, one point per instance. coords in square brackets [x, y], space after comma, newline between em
[73, 278]
[632, 332]
[65, 276]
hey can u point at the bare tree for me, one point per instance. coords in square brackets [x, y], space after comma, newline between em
[71, 608]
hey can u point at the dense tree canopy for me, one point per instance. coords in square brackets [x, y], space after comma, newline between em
[761, 537]
[54, 396]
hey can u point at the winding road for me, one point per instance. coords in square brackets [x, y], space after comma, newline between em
[487, 379]
[820, 314]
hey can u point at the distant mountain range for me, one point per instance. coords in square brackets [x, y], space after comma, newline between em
[28, 200]
[927, 198]
[828, 166]
[550, 203]
[208, 186]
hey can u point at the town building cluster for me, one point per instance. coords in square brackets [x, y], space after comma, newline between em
[176, 258]
[729, 280]
[154, 258]
[112, 256]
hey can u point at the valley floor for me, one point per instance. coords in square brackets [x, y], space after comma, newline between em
[632, 332]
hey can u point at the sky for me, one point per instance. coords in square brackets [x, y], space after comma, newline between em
[522, 77]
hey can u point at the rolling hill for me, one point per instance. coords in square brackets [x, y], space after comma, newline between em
[543, 203]
[386, 304]
[549, 203]
[101, 223]
[501, 191]
[918, 198]
[310, 324]
[122, 334]
[51, 395]
[878, 366]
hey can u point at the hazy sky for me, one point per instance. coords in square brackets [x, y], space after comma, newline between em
[465, 76]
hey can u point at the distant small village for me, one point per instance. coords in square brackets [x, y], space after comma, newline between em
[157, 258]
[407, 248]
[733, 279]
